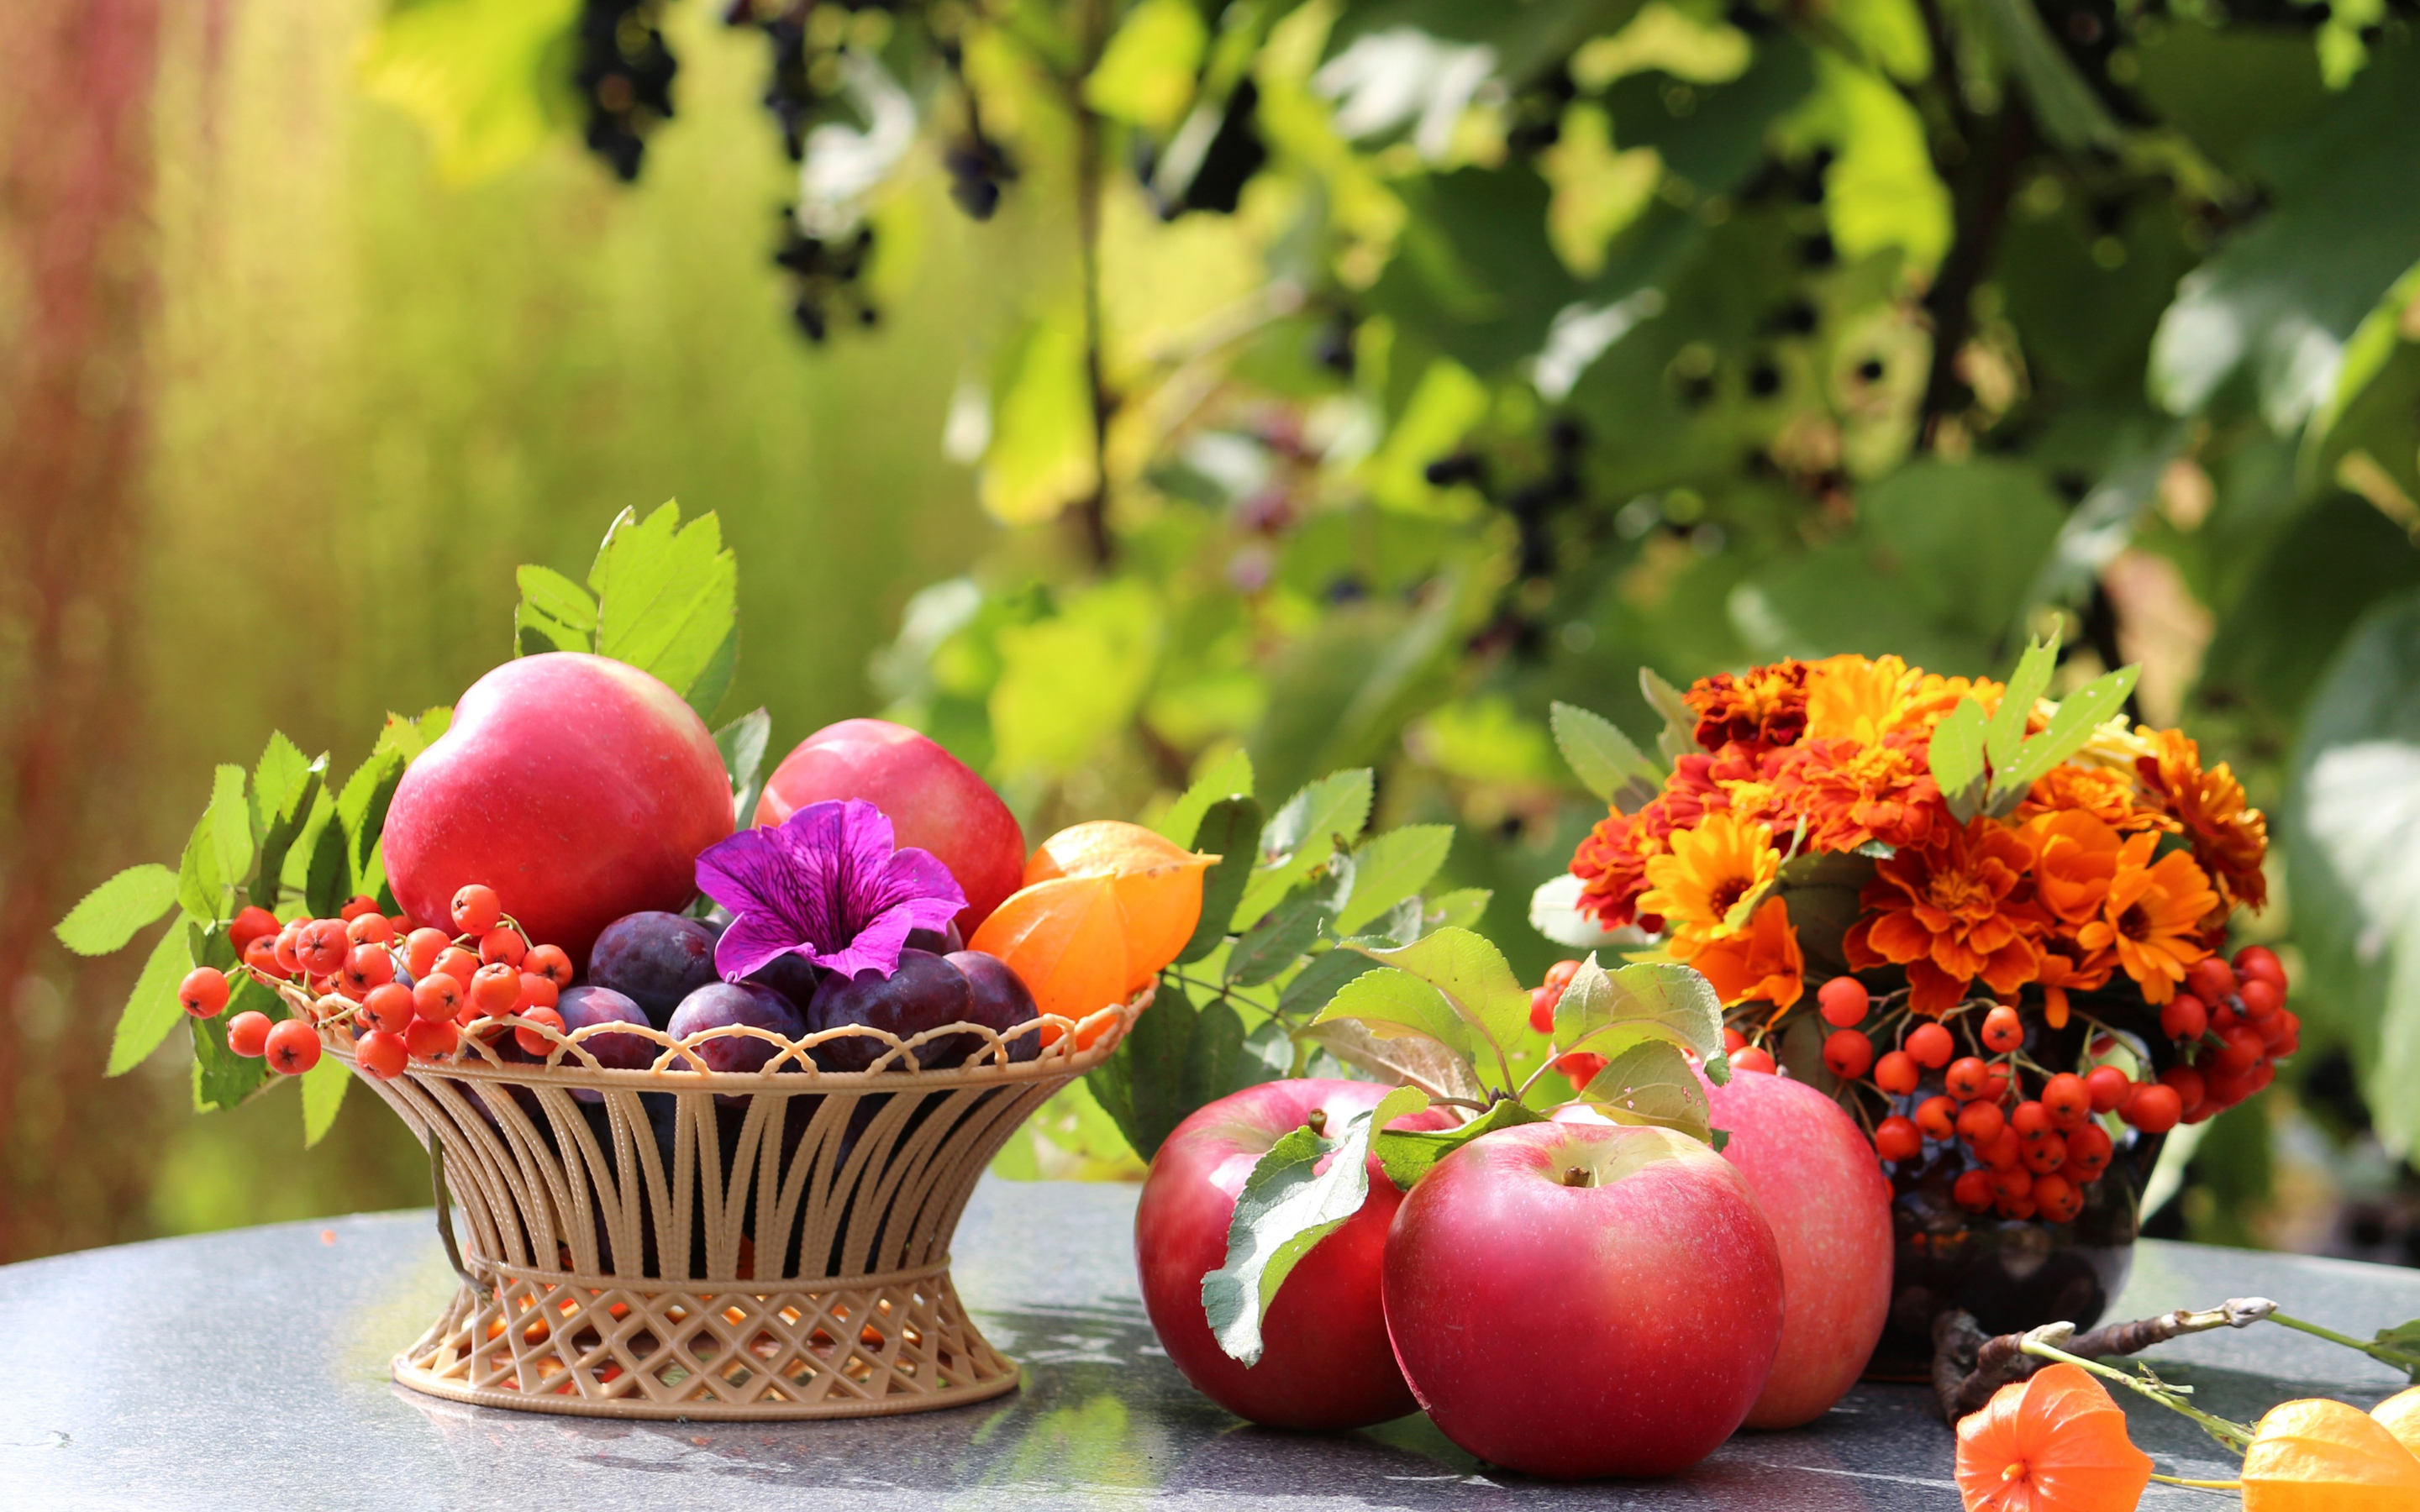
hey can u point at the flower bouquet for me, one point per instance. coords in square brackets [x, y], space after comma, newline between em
[1988, 922]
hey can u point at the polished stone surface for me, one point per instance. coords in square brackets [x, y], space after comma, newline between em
[248, 1370]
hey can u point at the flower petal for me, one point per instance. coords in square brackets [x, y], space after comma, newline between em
[753, 940]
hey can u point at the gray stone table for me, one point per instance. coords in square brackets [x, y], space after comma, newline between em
[249, 1371]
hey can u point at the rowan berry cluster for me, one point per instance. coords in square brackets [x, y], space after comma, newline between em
[2031, 1138]
[405, 991]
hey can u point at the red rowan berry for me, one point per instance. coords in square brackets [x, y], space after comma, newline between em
[457, 963]
[289, 944]
[382, 1054]
[1559, 975]
[1897, 1072]
[247, 1032]
[388, 1005]
[250, 924]
[2030, 1120]
[1753, 1058]
[503, 944]
[367, 967]
[1972, 1191]
[1844, 1001]
[532, 1041]
[1980, 1124]
[2003, 1032]
[2109, 1087]
[370, 928]
[1580, 1067]
[2057, 1199]
[437, 997]
[2014, 1182]
[203, 992]
[1937, 1117]
[495, 989]
[549, 961]
[1848, 1053]
[292, 1046]
[2044, 1155]
[1966, 1078]
[477, 909]
[420, 948]
[261, 955]
[2261, 999]
[429, 1040]
[355, 907]
[2188, 1086]
[2257, 962]
[1897, 1138]
[1733, 1041]
[2019, 1209]
[2239, 1046]
[1542, 1008]
[2211, 979]
[2154, 1108]
[321, 947]
[2067, 1100]
[536, 992]
[2005, 1152]
[1930, 1045]
[2089, 1151]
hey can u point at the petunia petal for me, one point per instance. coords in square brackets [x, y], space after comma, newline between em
[752, 940]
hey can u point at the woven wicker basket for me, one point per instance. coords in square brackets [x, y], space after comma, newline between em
[680, 1242]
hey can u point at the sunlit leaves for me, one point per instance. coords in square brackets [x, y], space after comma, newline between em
[109, 915]
[1145, 75]
[1071, 682]
[1607, 763]
[490, 80]
[1880, 192]
[151, 1009]
[1042, 455]
[668, 601]
[1598, 191]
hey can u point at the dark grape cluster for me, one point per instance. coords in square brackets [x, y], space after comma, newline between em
[624, 78]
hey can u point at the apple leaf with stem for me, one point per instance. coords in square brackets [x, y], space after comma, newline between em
[1607, 763]
[1289, 1204]
[1606, 1012]
[1651, 1082]
[1476, 985]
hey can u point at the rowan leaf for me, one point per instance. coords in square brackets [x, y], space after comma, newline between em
[110, 913]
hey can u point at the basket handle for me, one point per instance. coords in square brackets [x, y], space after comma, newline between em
[445, 1209]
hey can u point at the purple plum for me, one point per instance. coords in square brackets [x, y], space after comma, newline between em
[655, 960]
[925, 993]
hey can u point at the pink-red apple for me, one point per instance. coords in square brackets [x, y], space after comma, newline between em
[934, 802]
[1815, 1177]
[1327, 1364]
[1577, 1300]
[577, 787]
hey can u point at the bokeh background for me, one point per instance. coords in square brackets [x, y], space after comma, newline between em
[1105, 387]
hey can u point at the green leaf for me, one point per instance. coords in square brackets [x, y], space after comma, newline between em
[1956, 755]
[1069, 684]
[554, 613]
[110, 915]
[667, 596]
[223, 1080]
[1400, 925]
[1392, 1002]
[1289, 1204]
[1231, 829]
[1651, 1082]
[705, 696]
[360, 809]
[742, 743]
[323, 1093]
[1230, 777]
[1604, 758]
[151, 1009]
[1278, 937]
[1041, 457]
[1217, 1064]
[1462, 908]
[1145, 74]
[282, 820]
[1408, 1154]
[1300, 837]
[1660, 999]
[219, 851]
[278, 779]
[1143, 1085]
[1319, 979]
[1679, 736]
[2071, 116]
[1389, 868]
[329, 877]
[1475, 980]
[2006, 732]
[1400, 1056]
[2079, 714]
[1880, 190]
[489, 80]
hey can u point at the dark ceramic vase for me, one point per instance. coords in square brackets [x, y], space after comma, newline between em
[2014, 1273]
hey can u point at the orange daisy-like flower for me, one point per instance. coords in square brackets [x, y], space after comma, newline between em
[2076, 857]
[1947, 912]
[1763, 706]
[2152, 917]
[2054, 1442]
[1709, 871]
[2229, 839]
[1849, 698]
[1852, 794]
[2103, 791]
[1761, 961]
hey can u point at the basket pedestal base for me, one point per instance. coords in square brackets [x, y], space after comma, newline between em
[604, 1347]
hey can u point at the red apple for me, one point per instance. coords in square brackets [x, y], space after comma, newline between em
[1575, 1300]
[1815, 1176]
[580, 788]
[1327, 1364]
[934, 802]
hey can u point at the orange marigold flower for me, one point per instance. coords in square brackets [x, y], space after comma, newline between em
[1852, 794]
[1611, 865]
[2053, 1443]
[2152, 917]
[2229, 840]
[1762, 706]
[1761, 961]
[2075, 856]
[2105, 792]
[1947, 912]
[2067, 968]
[1709, 870]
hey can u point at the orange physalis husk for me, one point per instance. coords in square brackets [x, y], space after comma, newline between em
[1066, 941]
[2321, 1455]
[2400, 1412]
[1159, 883]
[2055, 1443]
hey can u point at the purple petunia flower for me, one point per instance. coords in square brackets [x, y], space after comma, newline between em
[826, 884]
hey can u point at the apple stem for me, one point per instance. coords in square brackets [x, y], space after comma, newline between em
[1317, 1122]
[1579, 1176]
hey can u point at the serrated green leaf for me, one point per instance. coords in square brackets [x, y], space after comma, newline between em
[1408, 1154]
[1318, 980]
[2006, 731]
[1477, 983]
[361, 809]
[705, 696]
[1459, 909]
[1406, 1057]
[223, 1080]
[109, 915]
[1288, 1204]
[1278, 937]
[284, 825]
[2079, 714]
[1389, 868]
[1652, 1082]
[1401, 924]
[561, 610]
[328, 879]
[218, 853]
[1142, 1085]
[1605, 760]
[1325, 815]
[667, 596]
[1679, 736]
[1392, 1002]
[742, 743]
[1218, 1065]
[1230, 829]
[277, 782]
[151, 1009]
[1230, 777]
[1658, 998]
[323, 1093]
[1956, 755]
